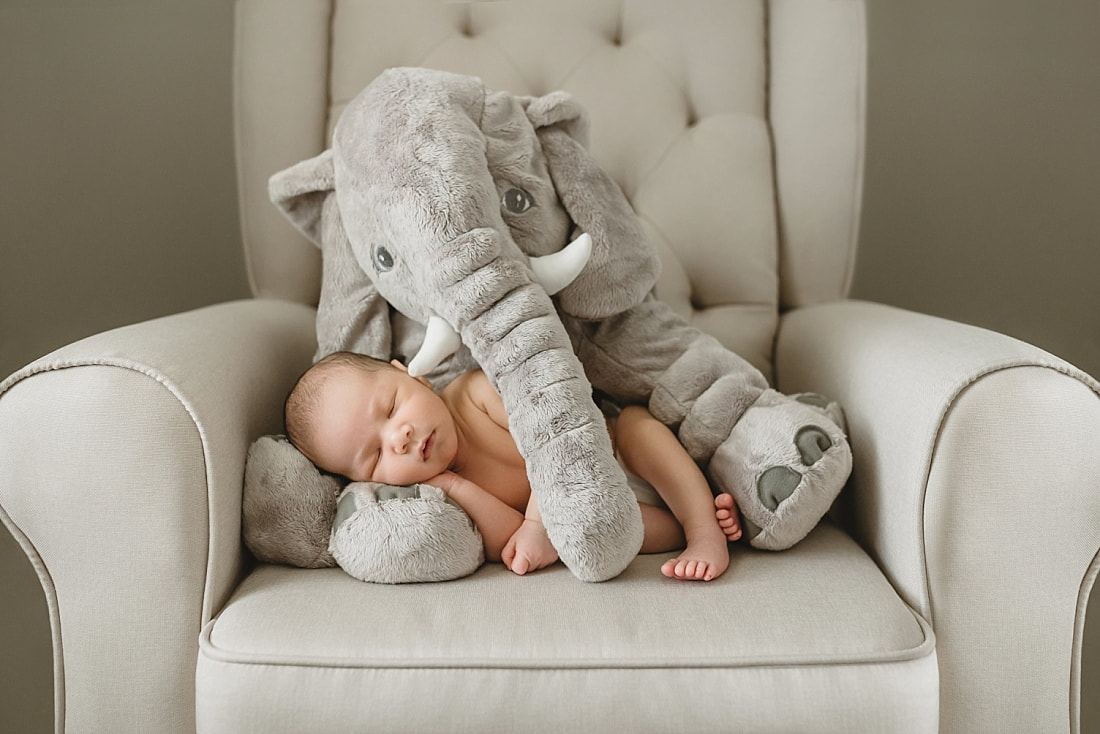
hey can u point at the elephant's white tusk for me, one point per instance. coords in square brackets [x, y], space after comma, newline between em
[440, 342]
[554, 272]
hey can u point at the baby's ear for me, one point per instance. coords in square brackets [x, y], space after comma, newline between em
[420, 378]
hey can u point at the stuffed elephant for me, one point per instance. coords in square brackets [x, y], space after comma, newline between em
[447, 205]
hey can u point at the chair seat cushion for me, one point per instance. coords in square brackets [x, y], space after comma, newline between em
[813, 638]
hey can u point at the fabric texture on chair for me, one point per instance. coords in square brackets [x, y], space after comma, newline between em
[507, 653]
[975, 465]
[121, 471]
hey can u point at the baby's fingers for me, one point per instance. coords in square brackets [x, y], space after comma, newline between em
[508, 553]
[521, 565]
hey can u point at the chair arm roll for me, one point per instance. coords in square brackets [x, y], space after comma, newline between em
[974, 486]
[120, 475]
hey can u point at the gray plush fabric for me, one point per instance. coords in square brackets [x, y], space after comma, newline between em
[288, 506]
[416, 205]
[408, 537]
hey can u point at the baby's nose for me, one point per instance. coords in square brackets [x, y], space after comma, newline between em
[400, 438]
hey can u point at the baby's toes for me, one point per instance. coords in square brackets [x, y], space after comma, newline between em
[674, 568]
[731, 528]
[724, 501]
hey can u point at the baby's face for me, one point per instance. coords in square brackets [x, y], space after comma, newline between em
[382, 426]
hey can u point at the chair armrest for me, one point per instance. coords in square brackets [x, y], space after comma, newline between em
[120, 475]
[975, 487]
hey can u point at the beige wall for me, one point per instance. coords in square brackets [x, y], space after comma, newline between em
[982, 188]
[118, 199]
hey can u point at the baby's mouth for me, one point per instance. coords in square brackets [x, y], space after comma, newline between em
[426, 447]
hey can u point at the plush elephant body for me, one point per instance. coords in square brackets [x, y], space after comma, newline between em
[444, 204]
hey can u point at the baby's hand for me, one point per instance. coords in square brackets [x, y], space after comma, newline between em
[528, 549]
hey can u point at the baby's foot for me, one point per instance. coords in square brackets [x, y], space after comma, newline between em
[706, 557]
[726, 512]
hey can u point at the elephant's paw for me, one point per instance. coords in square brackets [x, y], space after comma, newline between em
[830, 408]
[784, 463]
[396, 535]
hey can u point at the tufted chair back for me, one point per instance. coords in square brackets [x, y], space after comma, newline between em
[734, 127]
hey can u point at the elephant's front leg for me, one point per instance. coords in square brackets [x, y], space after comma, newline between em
[783, 458]
[650, 356]
[510, 325]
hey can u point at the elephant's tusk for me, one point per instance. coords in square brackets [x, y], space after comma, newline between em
[440, 342]
[554, 272]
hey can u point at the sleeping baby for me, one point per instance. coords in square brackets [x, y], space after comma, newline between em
[369, 420]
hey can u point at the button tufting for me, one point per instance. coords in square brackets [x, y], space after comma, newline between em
[691, 113]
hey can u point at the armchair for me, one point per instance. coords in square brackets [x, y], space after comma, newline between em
[945, 592]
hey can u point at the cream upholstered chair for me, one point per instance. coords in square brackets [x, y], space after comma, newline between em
[946, 592]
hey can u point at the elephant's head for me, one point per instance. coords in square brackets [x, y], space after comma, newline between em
[434, 176]
[458, 205]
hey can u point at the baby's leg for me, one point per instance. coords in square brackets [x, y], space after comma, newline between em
[651, 450]
[662, 531]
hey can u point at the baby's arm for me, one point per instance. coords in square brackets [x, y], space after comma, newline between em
[496, 521]
[529, 548]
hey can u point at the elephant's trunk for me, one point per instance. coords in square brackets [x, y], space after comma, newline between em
[512, 329]
[553, 272]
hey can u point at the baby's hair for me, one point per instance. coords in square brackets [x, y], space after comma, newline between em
[300, 408]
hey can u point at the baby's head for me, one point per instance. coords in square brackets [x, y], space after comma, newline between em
[302, 407]
[368, 420]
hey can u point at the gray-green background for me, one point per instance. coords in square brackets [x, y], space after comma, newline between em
[118, 201]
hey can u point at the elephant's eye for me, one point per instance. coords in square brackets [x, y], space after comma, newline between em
[517, 201]
[383, 260]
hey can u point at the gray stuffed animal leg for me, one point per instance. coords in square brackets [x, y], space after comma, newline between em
[783, 458]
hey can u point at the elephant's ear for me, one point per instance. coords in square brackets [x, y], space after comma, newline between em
[624, 265]
[351, 315]
[300, 191]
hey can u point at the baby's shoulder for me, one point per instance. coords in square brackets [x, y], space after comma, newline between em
[473, 390]
[468, 384]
